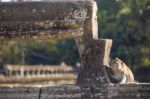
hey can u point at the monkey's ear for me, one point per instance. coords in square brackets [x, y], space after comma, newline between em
[118, 59]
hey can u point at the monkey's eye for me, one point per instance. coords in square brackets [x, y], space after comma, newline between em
[121, 63]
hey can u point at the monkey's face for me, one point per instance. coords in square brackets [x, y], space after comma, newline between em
[116, 65]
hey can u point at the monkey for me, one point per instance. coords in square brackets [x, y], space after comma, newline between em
[119, 72]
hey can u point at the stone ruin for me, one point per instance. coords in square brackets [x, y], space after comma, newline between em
[60, 19]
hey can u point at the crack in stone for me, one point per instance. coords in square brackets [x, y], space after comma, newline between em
[40, 92]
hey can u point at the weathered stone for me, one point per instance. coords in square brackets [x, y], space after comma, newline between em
[61, 92]
[66, 19]
[90, 29]
[94, 58]
[46, 20]
[124, 91]
[21, 92]
[94, 53]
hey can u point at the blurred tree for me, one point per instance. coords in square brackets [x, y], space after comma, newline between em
[39, 52]
[124, 22]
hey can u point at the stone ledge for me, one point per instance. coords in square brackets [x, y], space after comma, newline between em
[54, 19]
[125, 91]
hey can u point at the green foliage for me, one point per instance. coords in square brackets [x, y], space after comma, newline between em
[40, 52]
[125, 22]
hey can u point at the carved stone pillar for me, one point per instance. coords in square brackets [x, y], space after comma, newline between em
[94, 53]
[94, 59]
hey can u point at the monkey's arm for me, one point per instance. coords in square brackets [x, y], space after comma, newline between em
[109, 74]
[123, 80]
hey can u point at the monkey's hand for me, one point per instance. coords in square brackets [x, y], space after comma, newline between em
[123, 80]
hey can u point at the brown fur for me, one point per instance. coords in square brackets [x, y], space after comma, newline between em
[121, 72]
